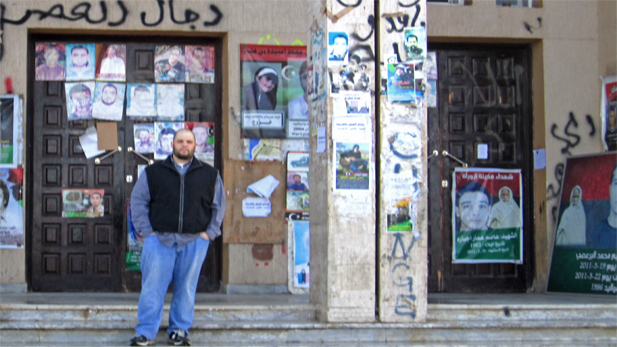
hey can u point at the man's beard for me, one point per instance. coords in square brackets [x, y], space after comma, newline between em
[188, 156]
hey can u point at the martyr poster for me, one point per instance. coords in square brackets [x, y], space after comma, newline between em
[487, 217]
[609, 112]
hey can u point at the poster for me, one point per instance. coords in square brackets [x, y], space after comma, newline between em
[111, 64]
[401, 83]
[274, 91]
[50, 61]
[402, 189]
[301, 253]
[609, 112]
[487, 217]
[352, 104]
[144, 138]
[11, 209]
[82, 203]
[200, 64]
[164, 135]
[272, 149]
[338, 48]
[204, 138]
[169, 64]
[79, 97]
[141, 101]
[585, 244]
[298, 161]
[80, 61]
[352, 165]
[108, 101]
[10, 113]
[135, 243]
[415, 43]
[170, 102]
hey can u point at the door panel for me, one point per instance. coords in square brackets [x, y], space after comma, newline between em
[484, 98]
[88, 254]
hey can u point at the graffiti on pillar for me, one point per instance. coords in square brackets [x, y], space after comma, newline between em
[121, 14]
[400, 256]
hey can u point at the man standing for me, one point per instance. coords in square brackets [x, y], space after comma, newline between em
[178, 205]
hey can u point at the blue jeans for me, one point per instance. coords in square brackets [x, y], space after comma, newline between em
[159, 266]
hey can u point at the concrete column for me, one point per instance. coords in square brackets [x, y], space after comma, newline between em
[343, 233]
[403, 169]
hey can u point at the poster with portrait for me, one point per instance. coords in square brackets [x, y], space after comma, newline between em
[11, 210]
[301, 254]
[338, 48]
[351, 171]
[298, 161]
[274, 91]
[401, 83]
[169, 64]
[84, 203]
[204, 140]
[134, 242]
[108, 101]
[170, 102]
[110, 62]
[144, 138]
[200, 64]
[50, 61]
[141, 101]
[609, 112]
[80, 61]
[487, 216]
[79, 98]
[164, 135]
[585, 243]
[10, 113]
[415, 43]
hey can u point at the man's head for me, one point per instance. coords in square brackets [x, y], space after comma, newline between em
[303, 77]
[575, 196]
[109, 94]
[96, 199]
[143, 135]
[81, 98]
[400, 70]
[184, 145]
[80, 55]
[473, 207]
[412, 40]
[201, 134]
[141, 93]
[199, 53]
[4, 199]
[174, 55]
[356, 148]
[166, 138]
[612, 119]
[267, 78]
[112, 50]
[52, 54]
[339, 46]
[504, 194]
[297, 179]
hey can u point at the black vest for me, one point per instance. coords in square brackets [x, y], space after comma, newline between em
[181, 204]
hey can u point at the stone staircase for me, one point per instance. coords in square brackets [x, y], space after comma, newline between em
[48, 319]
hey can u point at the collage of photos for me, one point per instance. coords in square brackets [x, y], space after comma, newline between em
[82, 203]
[297, 182]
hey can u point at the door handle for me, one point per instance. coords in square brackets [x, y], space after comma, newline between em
[98, 160]
[446, 154]
[435, 153]
[149, 161]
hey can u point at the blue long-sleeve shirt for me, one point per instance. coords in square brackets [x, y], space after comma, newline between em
[140, 209]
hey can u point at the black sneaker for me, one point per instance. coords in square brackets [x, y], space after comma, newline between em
[139, 341]
[179, 337]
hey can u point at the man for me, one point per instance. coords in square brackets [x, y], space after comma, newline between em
[80, 68]
[605, 233]
[165, 145]
[401, 77]
[97, 209]
[51, 70]
[81, 102]
[199, 62]
[143, 144]
[297, 185]
[413, 51]
[171, 69]
[142, 102]
[201, 138]
[473, 207]
[170, 105]
[505, 213]
[338, 49]
[353, 160]
[108, 107]
[112, 66]
[178, 205]
[572, 227]
[298, 107]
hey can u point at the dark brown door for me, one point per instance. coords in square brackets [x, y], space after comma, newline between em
[483, 98]
[88, 254]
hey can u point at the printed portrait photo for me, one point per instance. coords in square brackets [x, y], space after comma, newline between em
[169, 64]
[297, 91]
[338, 47]
[298, 181]
[200, 64]
[50, 61]
[111, 62]
[82, 203]
[141, 101]
[204, 139]
[80, 61]
[108, 101]
[79, 97]
[415, 43]
[164, 135]
[144, 138]
[170, 102]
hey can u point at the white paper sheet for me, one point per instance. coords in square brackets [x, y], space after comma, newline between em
[89, 143]
[256, 207]
[264, 187]
[321, 139]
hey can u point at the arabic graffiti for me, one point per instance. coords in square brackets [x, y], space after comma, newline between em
[406, 301]
[404, 20]
[81, 11]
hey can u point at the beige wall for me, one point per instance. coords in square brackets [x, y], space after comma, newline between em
[572, 48]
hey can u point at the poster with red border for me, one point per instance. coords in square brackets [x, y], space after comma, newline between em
[609, 112]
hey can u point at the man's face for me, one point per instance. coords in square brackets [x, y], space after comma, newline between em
[111, 52]
[166, 143]
[174, 56]
[199, 55]
[505, 195]
[340, 47]
[51, 57]
[297, 179]
[201, 135]
[184, 145]
[108, 95]
[144, 136]
[79, 56]
[266, 83]
[412, 41]
[81, 102]
[576, 197]
[613, 192]
[400, 72]
[142, 97]
[612, 118]
[473, 209]
[95, 200]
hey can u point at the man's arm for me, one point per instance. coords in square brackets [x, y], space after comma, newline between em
[140, 206]
[218, 210]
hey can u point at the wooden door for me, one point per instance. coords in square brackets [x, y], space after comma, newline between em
[88, 254]
[483, 98]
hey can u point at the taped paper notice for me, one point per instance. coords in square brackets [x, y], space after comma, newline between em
[321, 139]
[256, 207]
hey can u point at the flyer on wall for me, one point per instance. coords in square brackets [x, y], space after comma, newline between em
[274, 91]
[487, 216]
[585, 244]
[351, 171]
[88, 203]
[609, 112]
[11, 208]
[10, 111]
